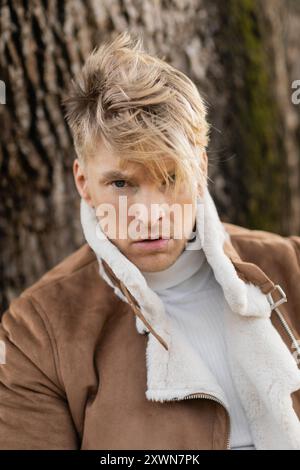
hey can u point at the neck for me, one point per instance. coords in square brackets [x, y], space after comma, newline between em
[187, 264]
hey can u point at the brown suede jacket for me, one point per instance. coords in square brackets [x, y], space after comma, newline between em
[74, 373]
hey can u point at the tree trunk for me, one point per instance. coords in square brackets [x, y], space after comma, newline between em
[238, 53]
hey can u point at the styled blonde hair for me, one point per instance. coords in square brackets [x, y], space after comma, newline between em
[142, 108]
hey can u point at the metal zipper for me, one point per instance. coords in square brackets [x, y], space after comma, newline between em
[288, 330]
[210, 397]
[274, 306]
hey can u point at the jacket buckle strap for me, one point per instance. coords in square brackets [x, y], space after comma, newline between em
[275, 304]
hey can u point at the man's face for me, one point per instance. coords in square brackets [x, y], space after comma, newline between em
[148, 207]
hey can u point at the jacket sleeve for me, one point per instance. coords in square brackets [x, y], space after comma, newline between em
[34, 412]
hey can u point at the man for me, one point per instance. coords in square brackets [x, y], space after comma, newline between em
[167, 329]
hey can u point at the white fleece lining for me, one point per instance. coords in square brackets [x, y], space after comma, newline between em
[264, 371]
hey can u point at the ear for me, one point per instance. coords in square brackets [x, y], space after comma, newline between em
[81, 181]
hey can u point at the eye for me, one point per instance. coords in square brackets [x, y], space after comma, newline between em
[119, 183]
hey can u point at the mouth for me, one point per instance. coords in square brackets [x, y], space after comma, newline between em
[155, 243]
[153, 239]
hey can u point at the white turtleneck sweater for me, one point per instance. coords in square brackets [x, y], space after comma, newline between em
[195, 301]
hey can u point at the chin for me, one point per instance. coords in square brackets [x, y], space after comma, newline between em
[155, 262]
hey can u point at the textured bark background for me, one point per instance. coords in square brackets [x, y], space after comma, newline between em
[242, 54]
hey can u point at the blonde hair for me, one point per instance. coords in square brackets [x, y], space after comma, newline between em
[141, 107]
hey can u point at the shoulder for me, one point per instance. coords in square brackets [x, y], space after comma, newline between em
[74, 265]
[69, 281]
[253, 243]
[278, 256]
[67, 293]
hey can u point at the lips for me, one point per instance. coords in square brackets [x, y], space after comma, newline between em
[152, 239]
[152, 244]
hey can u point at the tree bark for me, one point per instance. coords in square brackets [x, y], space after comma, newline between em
[241, 54]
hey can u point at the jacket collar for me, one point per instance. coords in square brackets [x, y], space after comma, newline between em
[264, 371]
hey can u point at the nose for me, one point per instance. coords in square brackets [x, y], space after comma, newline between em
[151, 209]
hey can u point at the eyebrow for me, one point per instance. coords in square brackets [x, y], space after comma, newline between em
[115, 174]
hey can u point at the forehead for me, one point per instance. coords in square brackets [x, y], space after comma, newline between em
[104, 162]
